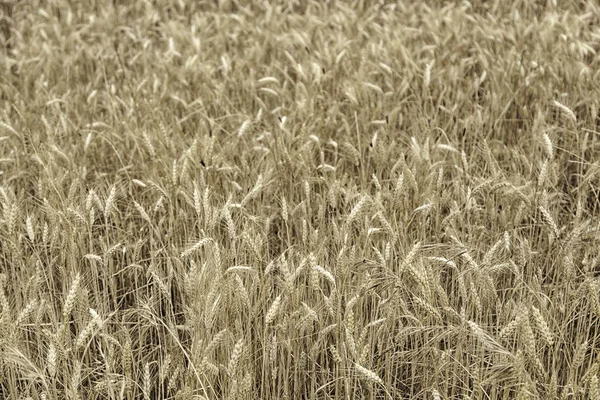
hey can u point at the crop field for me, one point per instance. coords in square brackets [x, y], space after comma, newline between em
[233, 199]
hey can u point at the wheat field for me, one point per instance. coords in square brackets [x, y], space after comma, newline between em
[299, 199]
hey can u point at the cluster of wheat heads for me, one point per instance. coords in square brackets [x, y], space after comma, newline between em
[301, 200]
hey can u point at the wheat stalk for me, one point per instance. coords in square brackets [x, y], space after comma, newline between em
[234, 360]
[71, 297]
[273, 310]
[110, 201]
[368, 375]
[566, 110]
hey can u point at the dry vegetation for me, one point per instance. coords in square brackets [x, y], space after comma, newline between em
[302, 200]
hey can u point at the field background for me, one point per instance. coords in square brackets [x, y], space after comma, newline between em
[299, 200]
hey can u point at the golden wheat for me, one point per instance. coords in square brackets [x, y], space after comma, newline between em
[294, 200]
